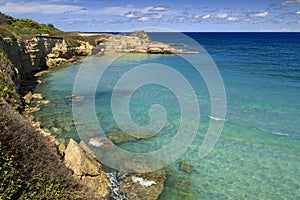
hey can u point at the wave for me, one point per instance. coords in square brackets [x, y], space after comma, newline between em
[258, 128]
[216, 118]
[282, 134]
[277, 133]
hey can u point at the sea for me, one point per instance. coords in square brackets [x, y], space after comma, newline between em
[256, 154]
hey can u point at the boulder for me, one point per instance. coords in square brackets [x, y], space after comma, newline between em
[86, 168]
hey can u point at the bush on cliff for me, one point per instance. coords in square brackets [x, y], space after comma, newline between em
[21, 27]
[29, 169]
[7, 91]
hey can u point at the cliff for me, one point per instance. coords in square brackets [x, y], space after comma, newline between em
[30, 166]
[40, 53]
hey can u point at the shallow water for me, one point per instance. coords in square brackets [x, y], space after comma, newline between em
[258, 153]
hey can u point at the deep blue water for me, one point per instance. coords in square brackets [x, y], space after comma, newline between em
[258, 153]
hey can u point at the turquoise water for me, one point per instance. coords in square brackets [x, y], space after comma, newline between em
[258, 153]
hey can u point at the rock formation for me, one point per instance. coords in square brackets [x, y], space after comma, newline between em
[143, 186]
[138, 42]
[86, 168]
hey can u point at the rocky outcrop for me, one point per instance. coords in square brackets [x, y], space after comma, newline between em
[147, 186]
[86, 168]
[85, 49]
[138, 42]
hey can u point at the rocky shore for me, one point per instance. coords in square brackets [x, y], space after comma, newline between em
[139, 42]
[31, 58]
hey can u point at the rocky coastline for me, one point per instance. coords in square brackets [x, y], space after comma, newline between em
[33, 57]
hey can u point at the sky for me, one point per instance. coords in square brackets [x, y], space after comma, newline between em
[176, 15]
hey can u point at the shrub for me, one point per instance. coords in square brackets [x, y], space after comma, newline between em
[14, 186]
[73, 42]
[7, 87]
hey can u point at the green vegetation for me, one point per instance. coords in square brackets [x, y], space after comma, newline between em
[72, 42]
[29, 166]
[7, 92]
[14, 186]
[19, 27]
[18, 179]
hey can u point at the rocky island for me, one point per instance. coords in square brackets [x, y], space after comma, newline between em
[28, 153]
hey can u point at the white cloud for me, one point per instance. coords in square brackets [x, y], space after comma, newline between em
[198, 16]
[298, 13]
[133, 14]
[143, 19]
[116, 10]
[259, 14]
[159, 9]
[291, 3]
[222, 16]
[206, 17]
[36, 7]
[232, 19]
[140, 16]
[122, 11]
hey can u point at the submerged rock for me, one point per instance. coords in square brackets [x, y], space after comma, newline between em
[56, 131]
[75, 98]
[146, 186]
[101, 142]
[185, 167]
[45, 102]
[118, 137]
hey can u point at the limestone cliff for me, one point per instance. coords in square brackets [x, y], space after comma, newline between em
[40, 53]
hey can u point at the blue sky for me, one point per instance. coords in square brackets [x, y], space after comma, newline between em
[183, 15]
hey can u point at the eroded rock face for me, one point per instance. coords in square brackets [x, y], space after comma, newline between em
[48, 52]
[41, 52]
[86, 168]
[85, 49]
